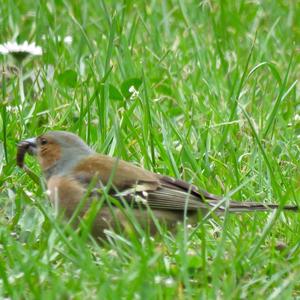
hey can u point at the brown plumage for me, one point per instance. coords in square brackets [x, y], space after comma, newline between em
[71, 167]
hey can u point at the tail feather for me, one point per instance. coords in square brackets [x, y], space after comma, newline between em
[176, 185]
[247, 206]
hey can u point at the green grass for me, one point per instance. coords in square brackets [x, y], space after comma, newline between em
[217, 104]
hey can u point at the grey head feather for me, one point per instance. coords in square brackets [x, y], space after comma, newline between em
[70, 140]
[73, 149]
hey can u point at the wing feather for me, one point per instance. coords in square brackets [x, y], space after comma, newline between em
[140, 187]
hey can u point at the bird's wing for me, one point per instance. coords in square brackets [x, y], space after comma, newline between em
[161, 197]
[110, 170]
[140, 187]
[178, 195]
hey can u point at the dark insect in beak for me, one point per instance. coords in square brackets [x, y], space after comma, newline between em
[26, 146]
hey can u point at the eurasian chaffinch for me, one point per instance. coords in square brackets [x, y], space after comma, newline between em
[74, 171]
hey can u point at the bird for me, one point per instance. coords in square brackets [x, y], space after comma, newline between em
[73, 171]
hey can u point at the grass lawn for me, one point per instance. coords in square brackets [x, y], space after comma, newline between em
[202, 90]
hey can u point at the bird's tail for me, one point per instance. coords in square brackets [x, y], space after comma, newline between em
[248, 206]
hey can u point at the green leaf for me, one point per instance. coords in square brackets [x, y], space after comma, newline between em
[114, 93]
[135, 82]
[67, 79]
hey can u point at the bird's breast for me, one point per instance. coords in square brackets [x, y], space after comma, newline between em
[65, 192]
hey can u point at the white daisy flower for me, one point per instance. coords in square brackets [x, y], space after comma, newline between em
[20, 51]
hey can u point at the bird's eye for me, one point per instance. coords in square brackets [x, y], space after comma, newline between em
[44, 141]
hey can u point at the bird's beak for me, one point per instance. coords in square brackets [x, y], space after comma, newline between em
[29, 146]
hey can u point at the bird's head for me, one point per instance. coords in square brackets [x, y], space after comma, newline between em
[56, 151]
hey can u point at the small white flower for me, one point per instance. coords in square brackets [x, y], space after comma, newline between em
[131, 89]
[20, 51]
[68, 40]
[169, 282]
[297, 117]
[11, 109]
[134, 92]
